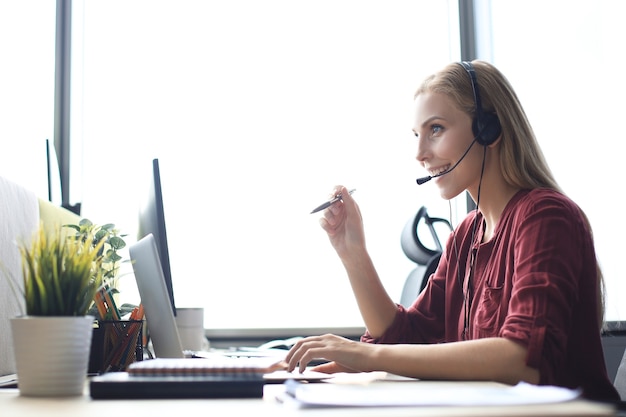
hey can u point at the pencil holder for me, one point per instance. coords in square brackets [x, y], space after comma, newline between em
[115, 345]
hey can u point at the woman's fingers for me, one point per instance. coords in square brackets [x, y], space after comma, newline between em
[331, 368]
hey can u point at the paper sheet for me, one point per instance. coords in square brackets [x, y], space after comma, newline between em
[8, 381]
[424, 393]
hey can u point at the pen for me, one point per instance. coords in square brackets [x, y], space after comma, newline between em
[330, 202]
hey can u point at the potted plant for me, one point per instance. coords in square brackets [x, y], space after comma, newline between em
[108, 241]
[61, 275]
[116, 341]
[111, 260]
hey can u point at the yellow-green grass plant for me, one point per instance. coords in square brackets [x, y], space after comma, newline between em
[61, 274]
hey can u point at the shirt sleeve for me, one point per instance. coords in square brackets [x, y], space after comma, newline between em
[424, 320]
[551, 246]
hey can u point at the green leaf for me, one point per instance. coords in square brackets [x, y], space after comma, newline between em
[116, 242]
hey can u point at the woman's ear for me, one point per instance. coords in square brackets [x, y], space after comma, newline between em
[496, 142]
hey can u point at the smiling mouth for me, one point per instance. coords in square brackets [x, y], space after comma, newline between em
[434, 173]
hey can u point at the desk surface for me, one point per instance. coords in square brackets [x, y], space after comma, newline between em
[12, 404]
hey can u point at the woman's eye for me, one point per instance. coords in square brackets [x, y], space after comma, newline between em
[436, 129]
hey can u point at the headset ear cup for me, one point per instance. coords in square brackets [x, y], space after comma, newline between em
[486, 129]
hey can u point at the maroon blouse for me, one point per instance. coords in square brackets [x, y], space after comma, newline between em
[534, 282]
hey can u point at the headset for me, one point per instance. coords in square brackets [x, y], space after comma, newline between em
[485, 126]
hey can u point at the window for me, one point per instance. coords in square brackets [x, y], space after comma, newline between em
[571, 84]
[255, 111]
[27, 42]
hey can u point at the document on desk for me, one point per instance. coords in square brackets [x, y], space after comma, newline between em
[422, 393]
[8, 381]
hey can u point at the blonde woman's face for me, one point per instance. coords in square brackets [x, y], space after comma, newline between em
[444, 134]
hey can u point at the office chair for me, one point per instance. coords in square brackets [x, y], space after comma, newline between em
[620, 378]
[426, 258]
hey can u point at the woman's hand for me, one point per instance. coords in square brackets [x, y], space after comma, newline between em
[331, 368]
[347, 355]
[344, 225]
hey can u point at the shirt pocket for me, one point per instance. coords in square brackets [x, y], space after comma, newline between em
[489, 312]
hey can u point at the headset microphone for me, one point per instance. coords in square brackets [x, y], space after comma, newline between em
[423, 180]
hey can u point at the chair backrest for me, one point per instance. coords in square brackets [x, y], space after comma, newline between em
[21, 212]
[19, 218]
[620, 378]
[417, 279]
[411, 238]
[425, 256]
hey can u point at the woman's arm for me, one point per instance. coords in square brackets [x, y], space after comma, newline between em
[344, 225]
[377, 308]
[492, 359]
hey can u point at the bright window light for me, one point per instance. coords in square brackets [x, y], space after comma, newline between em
[256, 109]
[571, 84]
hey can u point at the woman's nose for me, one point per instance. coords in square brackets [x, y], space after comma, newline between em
[422, 152]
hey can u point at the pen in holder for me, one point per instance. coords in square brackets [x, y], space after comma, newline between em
[115, 345]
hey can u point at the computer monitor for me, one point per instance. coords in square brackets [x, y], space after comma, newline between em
[152, 220]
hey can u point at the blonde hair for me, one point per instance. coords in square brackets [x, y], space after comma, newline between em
[521, 159]
[522, 162]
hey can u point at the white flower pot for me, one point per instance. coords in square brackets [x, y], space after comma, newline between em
[51, 354]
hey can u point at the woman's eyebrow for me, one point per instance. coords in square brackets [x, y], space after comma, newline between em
[430, 119]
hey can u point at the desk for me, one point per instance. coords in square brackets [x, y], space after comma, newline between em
[12, 404]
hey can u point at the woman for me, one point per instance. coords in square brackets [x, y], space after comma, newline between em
[517, 293]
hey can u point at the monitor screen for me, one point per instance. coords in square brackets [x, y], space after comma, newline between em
[152, 220]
